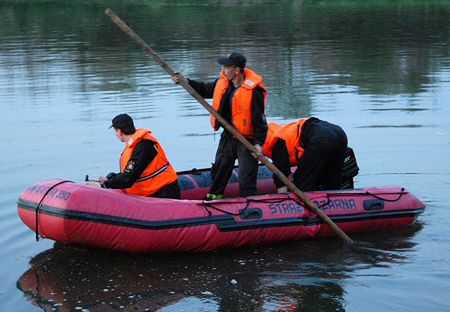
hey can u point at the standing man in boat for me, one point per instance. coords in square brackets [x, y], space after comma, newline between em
[144, 168]
[239, 95]
[315, 146]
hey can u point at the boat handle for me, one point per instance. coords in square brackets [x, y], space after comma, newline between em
[373, 204]
[251, 213]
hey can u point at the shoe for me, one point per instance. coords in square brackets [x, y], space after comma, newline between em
[210, 196]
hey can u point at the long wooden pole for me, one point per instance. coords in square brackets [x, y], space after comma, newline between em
[311, 205]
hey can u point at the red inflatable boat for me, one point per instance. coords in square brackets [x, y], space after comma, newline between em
[75, 213]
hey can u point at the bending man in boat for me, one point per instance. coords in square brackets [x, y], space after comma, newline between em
[239, 95]
[144, 168]
[315, 146]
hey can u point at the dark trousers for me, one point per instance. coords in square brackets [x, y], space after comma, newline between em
[228, 151]
[171, 190]
[320, 166]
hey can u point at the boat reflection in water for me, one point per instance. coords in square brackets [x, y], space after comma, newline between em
[288, 277]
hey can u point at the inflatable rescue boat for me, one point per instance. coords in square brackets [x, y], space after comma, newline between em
[75, 213]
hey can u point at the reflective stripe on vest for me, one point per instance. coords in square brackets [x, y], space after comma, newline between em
[153, 174]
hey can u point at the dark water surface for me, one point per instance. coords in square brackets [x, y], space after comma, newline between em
[380, 69]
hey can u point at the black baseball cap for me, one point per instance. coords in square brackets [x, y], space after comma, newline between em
[122, 122]
[235, 58]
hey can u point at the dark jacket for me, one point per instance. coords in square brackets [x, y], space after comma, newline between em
[143, 154]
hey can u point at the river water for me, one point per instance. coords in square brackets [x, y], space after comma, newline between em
[380, 69]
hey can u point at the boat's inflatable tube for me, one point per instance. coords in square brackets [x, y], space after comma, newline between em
[74, 213]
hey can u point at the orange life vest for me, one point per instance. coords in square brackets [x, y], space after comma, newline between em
[241, 102]
[291, 134]
[158, 172]
[270, 141]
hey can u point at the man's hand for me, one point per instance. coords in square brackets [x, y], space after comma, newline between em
[177, 78]
[258, 151]
[282, 189]
[102, 180]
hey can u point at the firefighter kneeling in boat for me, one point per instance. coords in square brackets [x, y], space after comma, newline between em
[315, 146]
[144, 167]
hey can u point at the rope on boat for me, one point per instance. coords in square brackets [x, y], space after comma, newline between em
[209, 206]
[39, 206]
[402, 192]
[329, 196]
